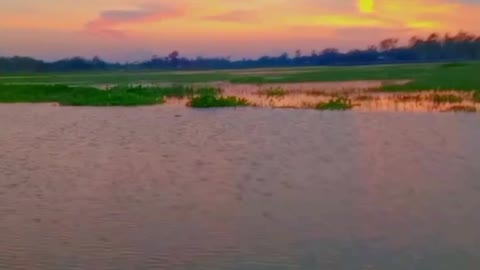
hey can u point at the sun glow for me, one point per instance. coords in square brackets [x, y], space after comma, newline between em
[366, 6]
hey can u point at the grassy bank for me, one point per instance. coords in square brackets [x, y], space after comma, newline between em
[90, 96]
[423, 76]
[443, 77]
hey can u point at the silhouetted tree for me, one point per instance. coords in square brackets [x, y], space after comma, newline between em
[388, 44]
[173, 58]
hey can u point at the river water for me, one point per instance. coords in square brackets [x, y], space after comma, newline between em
[168, 187]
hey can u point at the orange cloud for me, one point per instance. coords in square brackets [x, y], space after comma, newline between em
[433, 15]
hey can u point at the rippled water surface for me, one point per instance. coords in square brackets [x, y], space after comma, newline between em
[168, 187]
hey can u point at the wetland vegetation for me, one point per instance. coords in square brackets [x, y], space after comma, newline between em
[476, 96]
[274, 92]
[448, 98]
[91, 96]
[216, 101]
[446, 83]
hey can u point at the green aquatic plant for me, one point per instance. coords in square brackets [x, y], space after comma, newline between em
[120, 95]
[174, 91]
[476, 96]
[110, 98]
[338, 104]
[83, 95]
[212, 101]
[208, 91]
[437, 98]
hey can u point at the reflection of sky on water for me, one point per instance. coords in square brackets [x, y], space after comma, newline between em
[176, 188]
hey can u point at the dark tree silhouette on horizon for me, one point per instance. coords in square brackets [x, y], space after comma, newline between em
[434, 47]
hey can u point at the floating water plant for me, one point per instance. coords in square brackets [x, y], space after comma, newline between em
[338, 104]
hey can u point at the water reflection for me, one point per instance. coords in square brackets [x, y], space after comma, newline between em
[166, 187]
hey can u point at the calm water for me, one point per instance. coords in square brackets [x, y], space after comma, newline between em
[175, 188]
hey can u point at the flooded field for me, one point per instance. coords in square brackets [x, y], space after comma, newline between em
[364, 95]
[167, 187]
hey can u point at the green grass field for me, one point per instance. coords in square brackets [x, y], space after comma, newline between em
[79, 88]
[462, 76]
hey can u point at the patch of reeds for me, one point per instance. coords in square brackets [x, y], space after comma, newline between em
[446, 98]
[365, 98]
[338, 104]
[273, 92]
[331, 93]
[408, 98]
[461, 108]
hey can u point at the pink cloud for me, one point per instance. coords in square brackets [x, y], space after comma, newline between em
[235, 16]
[109, 22]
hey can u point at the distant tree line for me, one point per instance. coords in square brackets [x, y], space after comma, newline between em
[435, 47]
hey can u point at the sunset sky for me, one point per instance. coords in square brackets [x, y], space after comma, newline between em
[128, 30]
